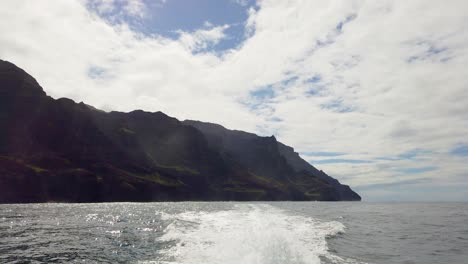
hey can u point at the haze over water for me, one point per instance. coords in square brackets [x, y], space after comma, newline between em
[284, 232]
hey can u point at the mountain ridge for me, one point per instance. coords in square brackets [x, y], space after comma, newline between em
[292, 158]
[60, 150]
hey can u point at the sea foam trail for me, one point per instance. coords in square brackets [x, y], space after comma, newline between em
[249, 233]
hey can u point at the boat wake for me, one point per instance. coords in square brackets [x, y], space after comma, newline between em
[248, 233]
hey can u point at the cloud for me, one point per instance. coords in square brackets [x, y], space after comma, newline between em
[369, 80]
[241, 2]
[115, 8]
[394, 184]
[322, 154]
[417, 170]
[328, 161]
[202, 39]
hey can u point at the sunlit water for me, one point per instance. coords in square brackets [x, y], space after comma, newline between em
[287, 232]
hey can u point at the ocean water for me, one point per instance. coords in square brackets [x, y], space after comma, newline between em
[230, 232]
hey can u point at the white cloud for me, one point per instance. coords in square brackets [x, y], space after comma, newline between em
[241, 2]
[203, 38]
[372, 79]
[114, 8]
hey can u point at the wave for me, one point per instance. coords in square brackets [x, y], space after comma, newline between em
[248, 233]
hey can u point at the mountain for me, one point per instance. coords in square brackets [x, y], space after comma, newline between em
[59, 150]
[268, 157]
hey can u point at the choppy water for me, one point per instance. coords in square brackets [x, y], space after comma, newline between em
[205, 233]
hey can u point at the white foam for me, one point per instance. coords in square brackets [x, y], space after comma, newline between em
[248, 234]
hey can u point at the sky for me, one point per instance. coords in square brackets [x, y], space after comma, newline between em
[375, 93]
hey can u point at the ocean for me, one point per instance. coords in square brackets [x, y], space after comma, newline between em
[233, 232]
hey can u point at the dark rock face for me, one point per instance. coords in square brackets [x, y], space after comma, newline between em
[273, 159]
[59, 150]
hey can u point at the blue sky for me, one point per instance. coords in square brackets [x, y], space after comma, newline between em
[368, 91]
[189, 16]
[170, 18]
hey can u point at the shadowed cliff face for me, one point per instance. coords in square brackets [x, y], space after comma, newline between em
[59, 150]
[268, 157]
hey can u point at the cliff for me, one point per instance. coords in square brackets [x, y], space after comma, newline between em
[59, 150]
